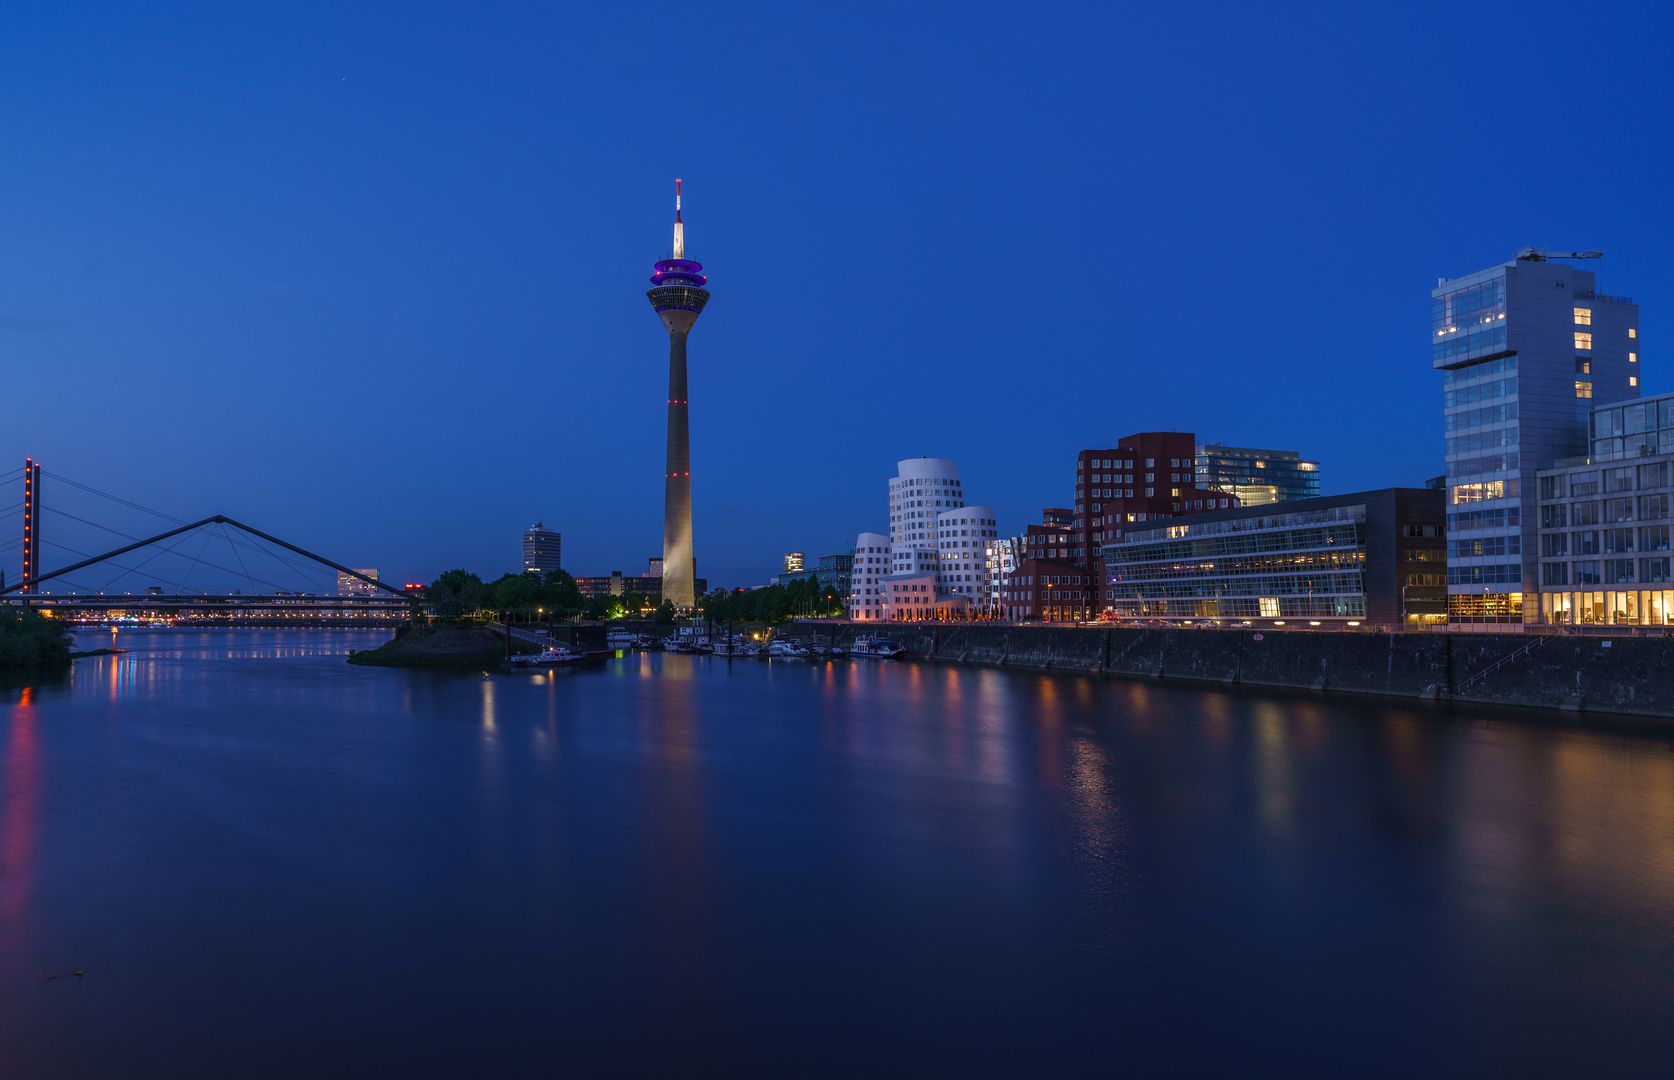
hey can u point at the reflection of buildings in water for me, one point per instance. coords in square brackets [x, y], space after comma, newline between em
[1049, 729]
[1312, 727]
[1404, 739]
[1215, 710]
[19, 813]
[1275, 781]
[1097, 817]
[1610, 812]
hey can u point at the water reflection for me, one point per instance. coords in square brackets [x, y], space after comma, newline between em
[839, 856]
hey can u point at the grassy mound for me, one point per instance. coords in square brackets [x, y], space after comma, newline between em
[437, 646]
[27, 637]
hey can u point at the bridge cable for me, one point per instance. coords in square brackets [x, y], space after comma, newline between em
[194, 565]
[83, 554]
[300, 568]
[171, 547]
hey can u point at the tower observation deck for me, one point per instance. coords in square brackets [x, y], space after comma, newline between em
[678, 296]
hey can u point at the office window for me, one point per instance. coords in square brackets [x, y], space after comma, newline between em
[1653, 476]
[1617, 541]
[1586, 573]
[1583, 389]
[1633, 358]
[1633, 332]
[1553, 517]
[1583, 341]
[1618, 479]
[1653, 569]
[1618, 510]
[1551, 487]
[1554, 573]
[1633, 380]
[1583, 316]
[1584, 543]
[1269, 607]
[1583, 483]
[1618, 571]
[1653, 507]
[1554, 544]
[1583, 366]
[1653, 538]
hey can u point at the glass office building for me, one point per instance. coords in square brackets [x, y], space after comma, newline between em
[1525, 350]
[1374, 558]
[1604, 522]
[1256, 476]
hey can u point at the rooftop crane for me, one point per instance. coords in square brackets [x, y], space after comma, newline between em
[1530, 254]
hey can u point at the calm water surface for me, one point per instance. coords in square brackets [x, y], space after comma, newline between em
[269, 863]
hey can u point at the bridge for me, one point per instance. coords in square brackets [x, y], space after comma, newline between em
[375, 603]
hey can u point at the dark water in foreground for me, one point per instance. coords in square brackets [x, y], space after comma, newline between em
[272, 864]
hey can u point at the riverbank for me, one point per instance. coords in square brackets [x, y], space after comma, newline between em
[1632, 676]
[437, 646]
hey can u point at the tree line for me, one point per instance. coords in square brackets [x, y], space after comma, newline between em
[457, 593]
[773, 604]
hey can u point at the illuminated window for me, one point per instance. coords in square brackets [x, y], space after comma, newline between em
[1583, 366]
[1583, 389]
[1583, 316]
[1633, 358]
[1269, 607]
[1633, 380]
[1176, 492]
[1583, 341]
[1633, 331]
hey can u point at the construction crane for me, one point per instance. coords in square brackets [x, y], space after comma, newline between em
[1530, 254]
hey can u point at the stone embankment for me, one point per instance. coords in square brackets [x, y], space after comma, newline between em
[1617, 675]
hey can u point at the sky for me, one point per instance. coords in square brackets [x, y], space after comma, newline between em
[371, 277]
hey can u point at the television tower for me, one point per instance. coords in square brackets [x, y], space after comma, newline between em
[679, 297]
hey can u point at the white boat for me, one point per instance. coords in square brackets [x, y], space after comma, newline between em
[620, 639]
[551, 656]
[876, 649]
[787, 650]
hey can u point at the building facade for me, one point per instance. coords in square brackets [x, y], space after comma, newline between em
[794, 562]
[543, 549]
[1255, 477]
[867, 587]
[1525, 349]
[1603, 522]
[1049, 590]
[1368, 559]
[619, 584]
[962, 535]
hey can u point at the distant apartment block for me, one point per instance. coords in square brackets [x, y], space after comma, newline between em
[348, 585]
[542, 549]
[795, 561]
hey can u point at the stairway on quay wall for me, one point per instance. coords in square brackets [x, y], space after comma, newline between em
[1633, 676]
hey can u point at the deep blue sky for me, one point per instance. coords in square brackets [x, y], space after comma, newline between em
[373, 278]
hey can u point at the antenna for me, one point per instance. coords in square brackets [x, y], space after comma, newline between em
[677, 198]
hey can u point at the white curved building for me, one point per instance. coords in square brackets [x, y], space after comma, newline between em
[962, 534]
[872, 562]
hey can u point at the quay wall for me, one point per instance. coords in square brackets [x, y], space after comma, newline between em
[1614, 675]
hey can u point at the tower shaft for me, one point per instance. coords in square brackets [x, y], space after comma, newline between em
[679, 568]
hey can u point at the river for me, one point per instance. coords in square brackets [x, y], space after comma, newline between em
[267, 862]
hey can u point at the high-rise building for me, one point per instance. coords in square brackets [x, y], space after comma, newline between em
[349, 585]
[1525, 349]
[678, 296]
[654, 566]
[1256, 477]
[543, 549]
[794, 561]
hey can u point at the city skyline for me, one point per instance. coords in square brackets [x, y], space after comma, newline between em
[338, 224]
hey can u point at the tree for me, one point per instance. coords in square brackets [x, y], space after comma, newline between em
[665, 613]
[456, 593]
[562, 593]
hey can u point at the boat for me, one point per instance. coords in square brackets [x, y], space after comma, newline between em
[643, 643]
[620, 639]
[551, 656]
[787, 650]
[876, 649]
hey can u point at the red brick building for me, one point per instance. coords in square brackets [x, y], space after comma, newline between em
[1050, 590]
[1149, 476]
